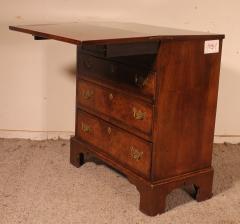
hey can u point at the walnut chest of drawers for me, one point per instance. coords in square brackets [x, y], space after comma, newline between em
[145, 103]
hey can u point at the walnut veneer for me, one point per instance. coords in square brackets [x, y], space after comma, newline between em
[146, 102]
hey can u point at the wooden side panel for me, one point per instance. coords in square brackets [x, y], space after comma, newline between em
[186, 108]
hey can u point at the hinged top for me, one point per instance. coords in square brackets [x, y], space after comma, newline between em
[109, 32]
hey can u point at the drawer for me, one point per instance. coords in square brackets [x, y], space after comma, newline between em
[141, 81]
[118, 106]
[121, 146]
[122, 49]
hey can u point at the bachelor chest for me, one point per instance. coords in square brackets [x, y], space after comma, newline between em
[146, 102]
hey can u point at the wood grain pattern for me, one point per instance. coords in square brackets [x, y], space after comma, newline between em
[120, 145]
[115, 105]
[152, 194]
[100, 33]
[140, 79]
[183, 123]
[186, 108]
[171, 145]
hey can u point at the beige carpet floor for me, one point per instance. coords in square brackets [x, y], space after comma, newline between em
[39, 186]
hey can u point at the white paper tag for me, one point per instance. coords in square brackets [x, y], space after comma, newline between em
[211, 46]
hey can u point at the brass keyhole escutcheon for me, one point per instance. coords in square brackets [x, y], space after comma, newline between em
[110, 96]
[138, 114]
[109, 130]
[135, 153]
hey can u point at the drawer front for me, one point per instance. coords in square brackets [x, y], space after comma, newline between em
[139, 80]
[115, 105]
[123, 49]
[123, 147]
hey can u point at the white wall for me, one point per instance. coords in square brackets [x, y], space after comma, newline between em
[37, 81]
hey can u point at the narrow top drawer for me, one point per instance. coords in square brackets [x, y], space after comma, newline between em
[122, 49]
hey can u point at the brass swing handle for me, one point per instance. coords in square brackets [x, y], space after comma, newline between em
[138, 114]
[140, 80]
[87, 94]
[85, 127]
[87, 63]
[135, 153]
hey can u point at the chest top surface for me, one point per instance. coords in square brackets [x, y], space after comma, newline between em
[109, 32]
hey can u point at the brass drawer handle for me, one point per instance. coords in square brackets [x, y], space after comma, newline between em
[140, 80]
[138, 114]
[87, 63]
[85, 127]
[135, 153]
[87, 94]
